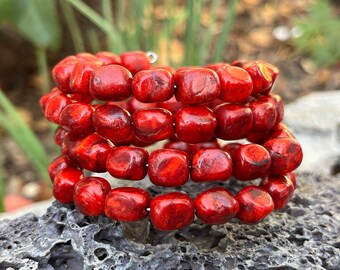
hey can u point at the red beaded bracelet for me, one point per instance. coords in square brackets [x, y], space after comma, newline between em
[102, 128]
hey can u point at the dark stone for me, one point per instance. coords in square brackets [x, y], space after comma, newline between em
[304, 236]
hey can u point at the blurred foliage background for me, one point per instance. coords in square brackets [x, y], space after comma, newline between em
[300, 37]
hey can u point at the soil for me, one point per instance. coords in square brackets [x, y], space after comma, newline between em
[251, 38]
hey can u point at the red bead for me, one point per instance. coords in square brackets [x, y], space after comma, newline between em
[264, 115]
[64, 184]
[134, 105]
[77, 118]
[210, 165]
[127, 162]
[292, 177]
[127, 204]
[251, 161]
[196, 86]
[213, 143]
[86, 57]
[261, 77]
[280, 188]
[80, 77]
[58, 164]
[281, 131]
[135, 61]
[276, 100]
[54, 106]
[178, 145]
[286, 155]
[152, 124]
[171, 105]
[92, 153]
[59, 135]
[171, 211]
[62, 71]
[214, 104]
[231, 148]
[154, 85]
[69, 147]
[111, 82]
[216, 206]
[90, 194]
[168, 167]
[45, 98]
[217, 66]
[195, 124]
[236, 84]
[108, 58]
[255, 204]
[112, 122]
[80, 98]
[259, 136]
[168, 68]
[233, 121]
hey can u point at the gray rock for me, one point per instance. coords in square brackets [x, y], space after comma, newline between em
[304, 236]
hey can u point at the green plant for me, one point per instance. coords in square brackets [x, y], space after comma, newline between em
[320, 34]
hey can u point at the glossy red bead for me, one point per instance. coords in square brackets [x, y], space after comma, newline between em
[127, 204]
[255, 204]
[44, 99]
[80, 98]
[90, 194]
[261, 77]
[58, 164]
[80, 77]
[92, 153]
[213, 143]
[216, 206]
[178, 145]
[135, 61]
[111, 82]
[59, 135]
[281, 131]
[196, 86]
[64, 184]
[195, 124]
[54, 106]
[292, 177]
[216, 66]
[168, 167]
[152, 124]
[276, 100]
[112, 122]
[231, 148]
[77, 118]
[134, 105]
[286, 154]
[69, 147]
[171, 105]
[86, 57]
[210, 165]
[264, 115]
[236, 84]
[108, 58]
[280, 188]
[154, 85]
[62, 71]
[127, 162]
[233, 121]
[251, 161]
[171, 211]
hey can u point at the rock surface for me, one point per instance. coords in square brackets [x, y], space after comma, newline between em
[304, 236]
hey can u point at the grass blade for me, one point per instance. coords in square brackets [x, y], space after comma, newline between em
[108, 15]
[43, 69]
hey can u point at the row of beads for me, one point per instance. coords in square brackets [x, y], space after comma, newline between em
[191, 124]
[107, 77]
[93, 196]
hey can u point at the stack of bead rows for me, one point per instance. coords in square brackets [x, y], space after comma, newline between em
[109, 107]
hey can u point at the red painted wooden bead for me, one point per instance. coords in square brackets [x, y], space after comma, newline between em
[280, 188]
[178, 145]
[62, 71]
[236, 84]
[213, 143]
[134, 105]
[77, 118]
[196, 86]
[44, 99]
[112, 122]
[214, 104]
[135, 61]
[261, 77]
[216, 206]
[108, 58]
[168, 68]
[86, 57]
[276, 100]
[171, 105]
[195, 124]
[92, 153]
[292, 177]
[59, 135]
[168, 167]
[231, 148]
[233, 121]
[69, 147]
[286, 155]
[264, 115]
[216, 66]
[152, 124]
[80, 98]
[210, 165]
[171, 211]
[90, 194]
[80, 77]
[251, 161]
[111, 82]
[154, 85]
[127, 162]
[64, 183]
[255, 204]
[54, 106]
[58, 164]
[127, 204]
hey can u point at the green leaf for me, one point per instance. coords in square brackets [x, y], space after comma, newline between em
[36, 20]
